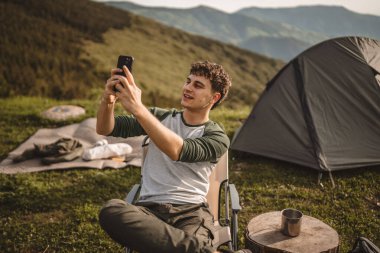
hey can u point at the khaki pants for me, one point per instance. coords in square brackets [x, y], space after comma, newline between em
[155, 228]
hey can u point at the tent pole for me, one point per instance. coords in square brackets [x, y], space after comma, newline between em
[320, 174]
[331, 179]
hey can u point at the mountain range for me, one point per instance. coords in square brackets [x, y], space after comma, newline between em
[56, 49]
[275, 32]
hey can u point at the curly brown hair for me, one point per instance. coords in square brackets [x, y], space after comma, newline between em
[220, 80]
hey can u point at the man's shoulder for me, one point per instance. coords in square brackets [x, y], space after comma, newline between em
[212, 126]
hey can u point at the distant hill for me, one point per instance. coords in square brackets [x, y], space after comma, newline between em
[231, 28]
[215, 24]
[283, 48]
[57, 49]
[332, 21]
[279, 33]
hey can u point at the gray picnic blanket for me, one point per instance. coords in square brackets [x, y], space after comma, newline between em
[85, 133]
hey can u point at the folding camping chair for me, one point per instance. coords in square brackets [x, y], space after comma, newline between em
[220, 196]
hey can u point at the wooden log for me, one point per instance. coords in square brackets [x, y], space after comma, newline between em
[263, 235]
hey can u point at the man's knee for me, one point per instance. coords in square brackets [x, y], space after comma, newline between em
[110, 212]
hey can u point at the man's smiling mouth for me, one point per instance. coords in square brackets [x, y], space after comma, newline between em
[187, 96]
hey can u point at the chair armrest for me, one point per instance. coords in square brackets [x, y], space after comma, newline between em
[132, 194]
[235, 205]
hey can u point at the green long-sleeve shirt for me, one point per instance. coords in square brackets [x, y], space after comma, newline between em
[185, 180]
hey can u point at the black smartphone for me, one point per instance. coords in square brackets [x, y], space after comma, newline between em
[125, 60]
[121, 61]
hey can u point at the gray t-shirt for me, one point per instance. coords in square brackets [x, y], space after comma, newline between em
[183, 181]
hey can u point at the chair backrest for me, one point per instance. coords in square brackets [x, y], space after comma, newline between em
[218, 176]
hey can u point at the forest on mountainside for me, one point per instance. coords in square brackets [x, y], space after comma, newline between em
[41, 45]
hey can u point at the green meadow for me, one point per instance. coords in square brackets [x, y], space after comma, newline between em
[57, 211]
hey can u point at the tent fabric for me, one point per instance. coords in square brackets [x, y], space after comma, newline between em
[322, 110]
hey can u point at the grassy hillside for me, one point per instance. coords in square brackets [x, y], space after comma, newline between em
[41, 44]
[162, 64]
[65, 49]
[56, 211]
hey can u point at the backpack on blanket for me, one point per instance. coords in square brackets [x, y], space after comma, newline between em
[363, 245]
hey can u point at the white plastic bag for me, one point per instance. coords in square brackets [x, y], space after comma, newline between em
[103, 150]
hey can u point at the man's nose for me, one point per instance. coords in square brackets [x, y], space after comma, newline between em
[188, 87]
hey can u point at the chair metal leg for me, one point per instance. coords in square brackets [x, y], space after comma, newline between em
[234, 225]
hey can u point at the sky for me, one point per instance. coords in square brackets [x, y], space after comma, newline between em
[360, 6]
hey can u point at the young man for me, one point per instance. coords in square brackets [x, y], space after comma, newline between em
[172, 214]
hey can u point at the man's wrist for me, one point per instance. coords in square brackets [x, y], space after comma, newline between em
[140, 111]
[106, 100]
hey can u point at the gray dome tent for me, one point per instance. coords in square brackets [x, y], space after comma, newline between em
[322, 110]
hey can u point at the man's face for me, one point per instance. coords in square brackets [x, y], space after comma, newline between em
[197, 93]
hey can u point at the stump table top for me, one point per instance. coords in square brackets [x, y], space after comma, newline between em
[263, 231]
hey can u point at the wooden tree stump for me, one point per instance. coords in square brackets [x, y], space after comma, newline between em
[263, 235]
[63, 112]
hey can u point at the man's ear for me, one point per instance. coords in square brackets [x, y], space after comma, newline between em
[216, 97]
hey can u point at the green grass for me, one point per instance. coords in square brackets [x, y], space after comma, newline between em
[56, 211]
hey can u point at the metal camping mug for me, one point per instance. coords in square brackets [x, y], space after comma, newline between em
[291, 220]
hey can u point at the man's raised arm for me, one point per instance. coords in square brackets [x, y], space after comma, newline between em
[129, 96]
[105, 117]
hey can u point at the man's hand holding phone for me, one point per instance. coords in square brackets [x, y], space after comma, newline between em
[110, 91]
[109, 94]
[123, 87]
